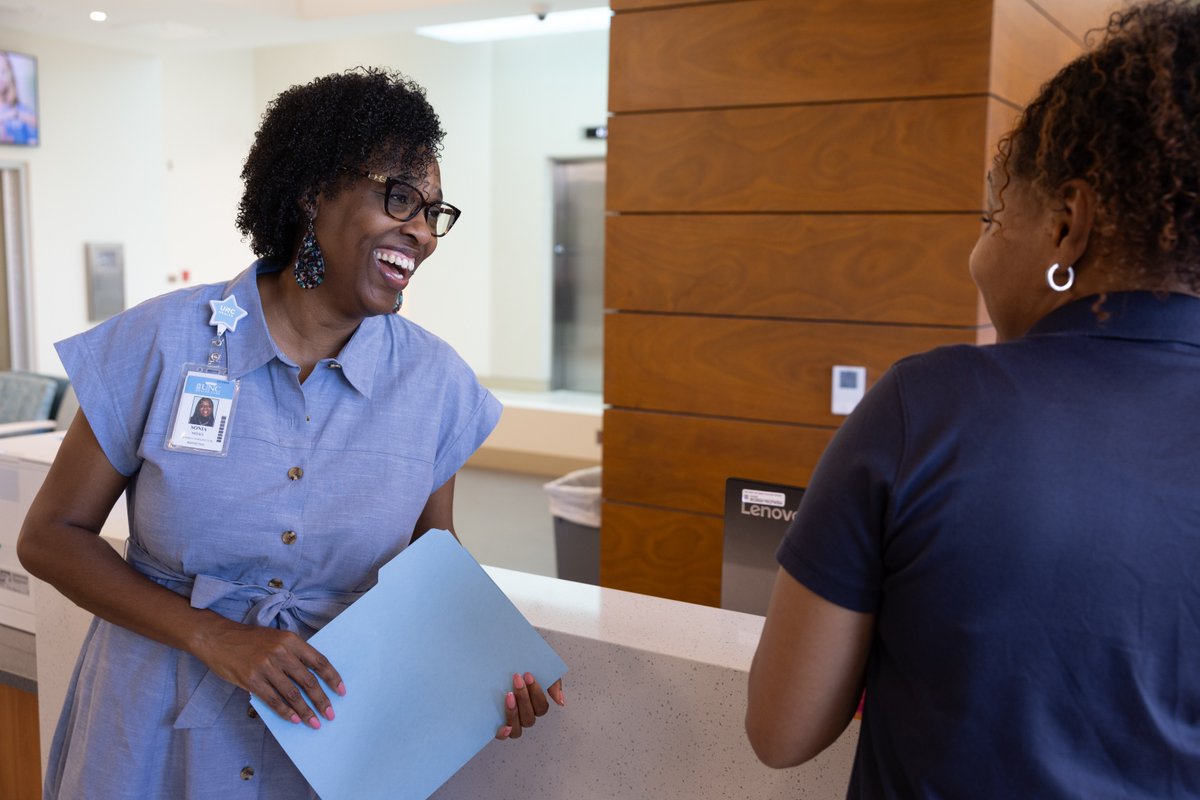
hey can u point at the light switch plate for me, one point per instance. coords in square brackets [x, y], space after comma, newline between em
[849, 385]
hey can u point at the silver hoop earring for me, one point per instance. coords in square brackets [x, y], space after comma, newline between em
[1060, 287]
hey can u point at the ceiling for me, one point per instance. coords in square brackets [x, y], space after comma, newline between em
[167, 26]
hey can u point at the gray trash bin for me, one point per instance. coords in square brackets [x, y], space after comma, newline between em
[575, 506]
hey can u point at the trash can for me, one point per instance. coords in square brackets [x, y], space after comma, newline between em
[575, 506]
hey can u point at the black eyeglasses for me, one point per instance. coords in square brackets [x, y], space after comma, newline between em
[402, 201]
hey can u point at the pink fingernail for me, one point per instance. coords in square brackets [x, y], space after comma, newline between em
[505, 731]
[328, 712]
[529, 677]
[341, 689]
[510, 701]
[295, 718]
[314, 723]
[517, 682]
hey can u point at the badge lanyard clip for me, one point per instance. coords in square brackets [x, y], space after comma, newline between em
[207, 397]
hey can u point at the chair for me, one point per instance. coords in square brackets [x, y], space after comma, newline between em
[29, 402]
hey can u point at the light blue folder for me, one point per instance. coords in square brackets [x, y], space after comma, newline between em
[427, 656]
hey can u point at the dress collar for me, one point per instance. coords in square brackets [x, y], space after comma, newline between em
[1146, 316]
[251, 345]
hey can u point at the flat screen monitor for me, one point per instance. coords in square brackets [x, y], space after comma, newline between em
[18, 99]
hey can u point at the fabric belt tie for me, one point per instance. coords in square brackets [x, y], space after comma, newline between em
[249, 604]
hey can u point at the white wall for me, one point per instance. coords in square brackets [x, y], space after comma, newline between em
[148, 152]
[97, 176]
[546, 91]
[209, 117]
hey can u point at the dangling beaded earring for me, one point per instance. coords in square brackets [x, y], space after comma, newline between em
[310, 262]
[399, 302]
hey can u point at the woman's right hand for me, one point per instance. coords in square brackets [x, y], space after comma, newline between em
[274, 666]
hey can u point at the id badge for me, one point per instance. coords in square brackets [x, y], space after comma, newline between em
[203, 411]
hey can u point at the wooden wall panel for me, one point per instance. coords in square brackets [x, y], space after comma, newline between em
[20, 759]
[886, 268]
[747, 368]
[640, 5]
[665, 553]
[681, 462]
[1027, 49]
[1080, 16]
[920, 155]
[816, 50]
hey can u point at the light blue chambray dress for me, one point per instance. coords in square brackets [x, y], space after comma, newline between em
[374, 431]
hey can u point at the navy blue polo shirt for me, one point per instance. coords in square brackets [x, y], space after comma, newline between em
[1024, 521]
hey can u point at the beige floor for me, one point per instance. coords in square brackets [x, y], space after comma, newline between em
[504, 519]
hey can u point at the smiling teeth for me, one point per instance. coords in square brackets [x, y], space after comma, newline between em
[396, 260]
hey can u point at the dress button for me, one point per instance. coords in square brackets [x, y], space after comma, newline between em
[251, 713]
[334, 365]
[288, 537]
[275, 583]
[247, 773]
[295, 473]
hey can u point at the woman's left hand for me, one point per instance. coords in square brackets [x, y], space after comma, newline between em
[525, 703]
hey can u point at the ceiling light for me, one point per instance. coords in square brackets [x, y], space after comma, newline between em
[487, 30]
[97, 16]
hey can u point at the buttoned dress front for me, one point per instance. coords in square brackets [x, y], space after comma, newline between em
[322, 485]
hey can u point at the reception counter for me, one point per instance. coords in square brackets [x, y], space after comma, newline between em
[655, 698]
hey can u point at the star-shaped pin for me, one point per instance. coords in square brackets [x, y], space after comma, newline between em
[226, 314]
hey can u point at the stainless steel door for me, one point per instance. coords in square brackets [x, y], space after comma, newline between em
[578, 354]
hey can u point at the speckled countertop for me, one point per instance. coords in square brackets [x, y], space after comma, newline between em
[627, 619]
[18, 660]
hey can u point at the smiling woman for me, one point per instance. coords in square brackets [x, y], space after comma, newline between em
[323, 400]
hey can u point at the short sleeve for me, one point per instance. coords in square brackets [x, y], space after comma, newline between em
[114, 372]
[835, 545]
[470, 414]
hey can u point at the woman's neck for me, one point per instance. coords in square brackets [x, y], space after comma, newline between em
[300, 321]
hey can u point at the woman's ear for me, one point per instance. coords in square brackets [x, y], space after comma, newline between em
[1073, 220]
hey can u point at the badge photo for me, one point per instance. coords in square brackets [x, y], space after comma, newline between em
[202, 413]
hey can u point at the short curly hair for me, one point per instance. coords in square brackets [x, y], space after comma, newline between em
[365, 119]
[1125, 118]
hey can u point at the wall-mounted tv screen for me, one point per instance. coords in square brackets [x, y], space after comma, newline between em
[18, 99]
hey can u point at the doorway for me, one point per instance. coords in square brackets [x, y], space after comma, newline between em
[16, 323]
[577, 362]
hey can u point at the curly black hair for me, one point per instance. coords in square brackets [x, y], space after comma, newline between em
[1125, 118]
[366, 119]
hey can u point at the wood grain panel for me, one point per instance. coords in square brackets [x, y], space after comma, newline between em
[681, 462]
[884, 268]
[783, 51]
[770, 370]
[640, 5]
[668, 554]
[20, 759]
[1027, 50]
[912, 155]
[1079, 16]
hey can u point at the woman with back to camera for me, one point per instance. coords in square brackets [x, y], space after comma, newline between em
[1002, 544]
[340, 404]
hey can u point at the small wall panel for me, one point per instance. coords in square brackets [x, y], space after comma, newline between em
[20, 761]
[918, 155]
[664, 553]
[681, 462]
[1027, 50]
[746, 368]
[817, 50]
[887, 268]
